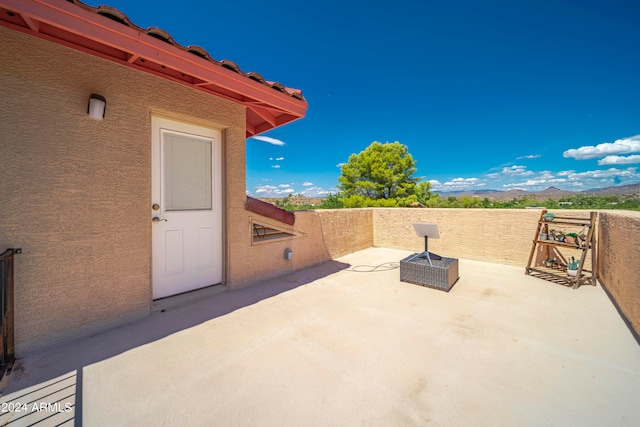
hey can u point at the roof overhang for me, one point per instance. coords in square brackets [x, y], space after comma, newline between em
[108, 33]
[270, 211]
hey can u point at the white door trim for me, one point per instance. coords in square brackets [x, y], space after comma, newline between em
[187, 247]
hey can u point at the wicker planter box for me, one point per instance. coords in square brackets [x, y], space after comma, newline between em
[441, 274]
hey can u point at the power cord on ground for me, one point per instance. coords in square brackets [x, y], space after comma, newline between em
[386, 266]
[358, 268]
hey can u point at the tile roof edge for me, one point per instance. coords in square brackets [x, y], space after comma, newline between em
[120, 17]
[270, 211]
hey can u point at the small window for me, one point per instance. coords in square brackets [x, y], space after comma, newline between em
[265, 233]
[187, 172]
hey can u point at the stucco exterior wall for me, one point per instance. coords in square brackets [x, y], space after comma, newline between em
[319, 237]
[347, 230]
[502, 236]
[76, 192]
[618, 255]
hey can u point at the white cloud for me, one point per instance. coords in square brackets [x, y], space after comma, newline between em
[279, 158]
[276, 166]
[457, 184]
[605, 174]
[619, 160]
[620, 146]
[516, 170]
[265, 189]
[529, 156]
[604, 177]
[577, 180]
[272, 190]
[455, 181]
[547, 175]
[535, 183]
[339, 165]
[268, 139]
[282, 190]
[316, 192]
[515, 185]
[518, 177]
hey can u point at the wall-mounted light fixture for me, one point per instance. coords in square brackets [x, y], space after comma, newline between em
[97, 106]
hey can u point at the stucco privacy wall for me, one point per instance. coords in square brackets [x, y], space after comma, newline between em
[618, 256]
[76, 192]
[319, 237]
[347, 230]
[502, 236]
[492, 235]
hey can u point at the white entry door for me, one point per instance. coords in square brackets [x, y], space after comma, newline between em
[186, 209]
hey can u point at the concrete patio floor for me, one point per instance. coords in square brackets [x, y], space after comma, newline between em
[330, 346]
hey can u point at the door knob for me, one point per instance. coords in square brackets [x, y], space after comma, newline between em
[156, 220]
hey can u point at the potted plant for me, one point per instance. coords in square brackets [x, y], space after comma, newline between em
[552, 234]
[543, 236]
[549, 216]
[549, 262]
[572, 267]
[571, 238]
[560, 236]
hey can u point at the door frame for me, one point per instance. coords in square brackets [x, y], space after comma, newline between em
[182, 125]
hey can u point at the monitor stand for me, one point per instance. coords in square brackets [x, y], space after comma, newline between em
[426, 253]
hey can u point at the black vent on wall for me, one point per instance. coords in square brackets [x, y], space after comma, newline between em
[263, 233]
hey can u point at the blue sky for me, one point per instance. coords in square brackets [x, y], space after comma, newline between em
[486, 94]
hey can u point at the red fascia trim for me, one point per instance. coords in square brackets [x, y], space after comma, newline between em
[92, 26]
[265, 115]
[270, 211]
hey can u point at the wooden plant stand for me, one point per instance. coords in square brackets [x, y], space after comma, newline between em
[552, 248]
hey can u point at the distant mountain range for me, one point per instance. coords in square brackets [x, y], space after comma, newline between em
[548, 193]
[551, 192]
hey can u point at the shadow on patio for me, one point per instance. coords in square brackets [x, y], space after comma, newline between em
[331, 346]
[47, 385]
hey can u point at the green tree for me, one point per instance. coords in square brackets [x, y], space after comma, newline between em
[435, 201]
[381, 171]
[452, 202]
[291, 203]
[423, 192]
[332, 201]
